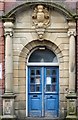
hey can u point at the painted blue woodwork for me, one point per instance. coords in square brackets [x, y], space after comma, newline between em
[51, 91]
[43, 97]
[35, 106]
[51, 103]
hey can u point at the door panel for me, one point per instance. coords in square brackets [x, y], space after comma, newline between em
[35, 105]
[51, 91]
[43, 91]
[51, 105]
[35, 92]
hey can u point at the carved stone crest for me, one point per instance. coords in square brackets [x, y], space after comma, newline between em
[41, 19]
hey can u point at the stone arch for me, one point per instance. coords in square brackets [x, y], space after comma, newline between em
[56, 6]
[36, 43]
[22, 63]
[27, 50]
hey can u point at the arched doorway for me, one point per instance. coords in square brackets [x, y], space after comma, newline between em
[43, 83]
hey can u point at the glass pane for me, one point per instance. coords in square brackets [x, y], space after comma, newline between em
[37, 80]
[48, 72]
[53, 72]
[48, 80]
[53, 88]
[37, 88]
[37, 72]
[32, 88]
[43, 55]
[32, 72]
[54, 80]
[48, 88]
[32, 80]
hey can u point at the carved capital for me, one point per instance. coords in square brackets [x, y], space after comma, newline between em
[8, 28]
[72, 33]
[9, 33]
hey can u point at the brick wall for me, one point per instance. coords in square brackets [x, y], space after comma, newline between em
[1, 54]
[77, 57]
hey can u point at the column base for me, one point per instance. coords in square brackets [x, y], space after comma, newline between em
[71, 117]
[8, 117]
[8, 106]
[71, 106]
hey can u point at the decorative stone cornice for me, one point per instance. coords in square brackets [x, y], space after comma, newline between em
[72, 28]
[8, 25]
[72, 25]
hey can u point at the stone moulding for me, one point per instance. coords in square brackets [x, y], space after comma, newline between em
[52, 4]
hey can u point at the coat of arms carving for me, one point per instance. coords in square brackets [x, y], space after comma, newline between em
[41, 16]
[41, 19]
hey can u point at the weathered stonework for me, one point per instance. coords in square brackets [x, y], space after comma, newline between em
[23, 44]
[50, 29]
[41, 20]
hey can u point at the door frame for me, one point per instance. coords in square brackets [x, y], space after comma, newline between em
[35, 64]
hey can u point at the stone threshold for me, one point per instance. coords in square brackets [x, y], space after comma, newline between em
[43, 118]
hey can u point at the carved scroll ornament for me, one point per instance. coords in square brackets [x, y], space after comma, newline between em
[41, 16]
[41, 19]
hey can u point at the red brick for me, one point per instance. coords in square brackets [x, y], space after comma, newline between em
[2, 82]
[2, 57]
[1, 32]
[1, 43]
[3, 75]
[1, 6]
[3, 90]
[1, 38]
[77, 4]
[1, 86]
[1, 49]
[3, 66]
[1, 24]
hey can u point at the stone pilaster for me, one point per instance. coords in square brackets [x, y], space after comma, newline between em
[72, 70]
[8, 57]
[8, 97]
[71, 97]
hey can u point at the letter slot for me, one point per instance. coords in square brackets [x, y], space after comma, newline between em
[35, 96]
[51, 96]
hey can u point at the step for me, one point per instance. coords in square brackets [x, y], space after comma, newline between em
[43, 118]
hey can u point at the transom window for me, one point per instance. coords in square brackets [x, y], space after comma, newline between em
[43, 55]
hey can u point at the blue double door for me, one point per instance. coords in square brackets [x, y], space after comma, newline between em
[43, 91]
